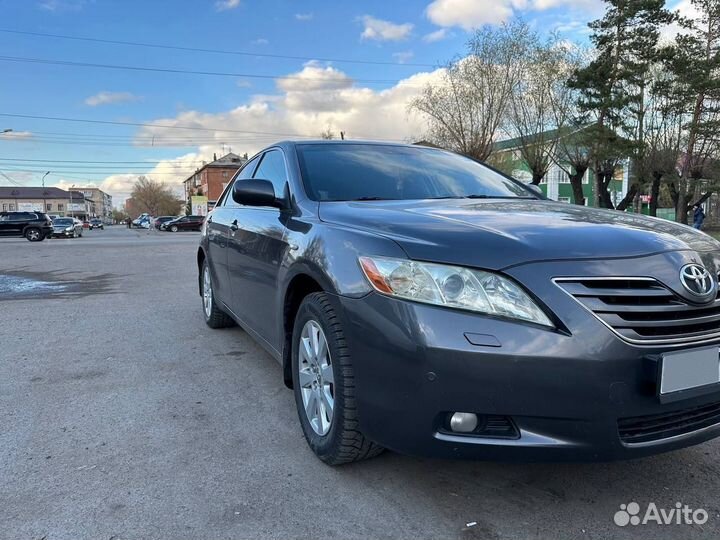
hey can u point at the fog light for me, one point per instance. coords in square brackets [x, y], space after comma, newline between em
[463, 422]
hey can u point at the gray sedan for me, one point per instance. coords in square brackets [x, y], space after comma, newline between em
[67, 227]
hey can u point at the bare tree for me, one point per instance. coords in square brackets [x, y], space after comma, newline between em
[328, 134]
[155, 198]
[541, 101]
[465, 110]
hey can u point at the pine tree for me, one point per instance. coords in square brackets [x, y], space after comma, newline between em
[611, 88]
[694, 62]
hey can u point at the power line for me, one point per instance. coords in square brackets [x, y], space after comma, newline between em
[145, 124]
[86, 161]
[214, 51]
[171, 126]
[331, 82]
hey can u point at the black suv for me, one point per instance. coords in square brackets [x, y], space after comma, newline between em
[35, 226]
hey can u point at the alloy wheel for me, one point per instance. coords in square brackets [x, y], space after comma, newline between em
[317, 382]
[33, 235]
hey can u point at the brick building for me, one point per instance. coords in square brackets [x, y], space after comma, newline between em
[210, 179]
[51, 200]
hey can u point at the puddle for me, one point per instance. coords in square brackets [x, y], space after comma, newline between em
[27, 285]
[16, 285]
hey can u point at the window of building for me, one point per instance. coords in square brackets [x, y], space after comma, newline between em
[4, 207]
[48, 207]
[12, 207]
[61, 207]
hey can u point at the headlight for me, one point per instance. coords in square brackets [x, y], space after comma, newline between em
[452, 286]
[70, 229]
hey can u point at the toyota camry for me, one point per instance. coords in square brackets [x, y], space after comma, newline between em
[420, 301]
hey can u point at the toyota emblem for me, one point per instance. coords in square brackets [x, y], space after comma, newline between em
[697, 280]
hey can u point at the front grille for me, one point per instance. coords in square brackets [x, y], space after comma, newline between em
[642, 429]
[644, 311]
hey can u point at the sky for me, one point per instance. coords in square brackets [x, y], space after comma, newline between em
[97, 92]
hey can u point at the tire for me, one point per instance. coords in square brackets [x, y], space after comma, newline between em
[80, 234]
[33, 234]
[174, 228]
[214, 316]
[342, 441]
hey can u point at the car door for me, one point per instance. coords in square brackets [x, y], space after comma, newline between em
[5, 225]
[218, 234]
[256, 247]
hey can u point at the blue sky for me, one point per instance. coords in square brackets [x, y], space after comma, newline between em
[365, 100]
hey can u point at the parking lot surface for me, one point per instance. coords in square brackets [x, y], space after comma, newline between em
[124, 417]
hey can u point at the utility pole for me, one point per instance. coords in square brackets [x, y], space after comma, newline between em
[342, 135]
[44, 208]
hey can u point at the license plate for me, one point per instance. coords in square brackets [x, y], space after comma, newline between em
[683, 370]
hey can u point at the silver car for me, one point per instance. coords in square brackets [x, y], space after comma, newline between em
[67, 227]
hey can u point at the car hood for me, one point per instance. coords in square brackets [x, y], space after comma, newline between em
[495, 234]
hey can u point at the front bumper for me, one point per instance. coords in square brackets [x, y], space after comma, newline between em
[565, 394]
[62, 234]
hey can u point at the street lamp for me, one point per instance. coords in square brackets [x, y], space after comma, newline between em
[43, 185]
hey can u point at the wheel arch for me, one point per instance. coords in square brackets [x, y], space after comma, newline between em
[201, 256]
[301, 284]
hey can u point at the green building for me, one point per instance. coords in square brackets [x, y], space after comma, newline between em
[556, 183]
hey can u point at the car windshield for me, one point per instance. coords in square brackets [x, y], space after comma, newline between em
[347, 172]
[63, 222]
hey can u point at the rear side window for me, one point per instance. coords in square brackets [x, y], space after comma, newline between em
[272, 167]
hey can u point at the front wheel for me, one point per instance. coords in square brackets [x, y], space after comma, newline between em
[214, 316]
[174, 228]
[324, 385]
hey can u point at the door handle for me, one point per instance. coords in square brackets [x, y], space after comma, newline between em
[234, 225]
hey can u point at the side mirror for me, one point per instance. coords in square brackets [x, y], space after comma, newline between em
[255, 193]
[535, 189]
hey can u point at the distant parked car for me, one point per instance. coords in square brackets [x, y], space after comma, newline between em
[67, 227]
[160, 220]
[96, 223]
[142, 222]
[35, 226]
[185, 223]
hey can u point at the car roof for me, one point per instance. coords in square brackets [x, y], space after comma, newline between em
[302, 142]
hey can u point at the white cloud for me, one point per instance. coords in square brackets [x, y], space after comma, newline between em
[403, 56]
[243, 83]
[16, 135]
[589, 7]
[260, 41]
[381, 30]
[304, 16]
[111, 98]
[62, 5]
[222, 5]
[316, 97]
[469, 14]
[437, 35]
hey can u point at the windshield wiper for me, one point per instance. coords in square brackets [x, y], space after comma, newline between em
[373, 199]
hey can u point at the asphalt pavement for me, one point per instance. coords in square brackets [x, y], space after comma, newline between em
[122, 416]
